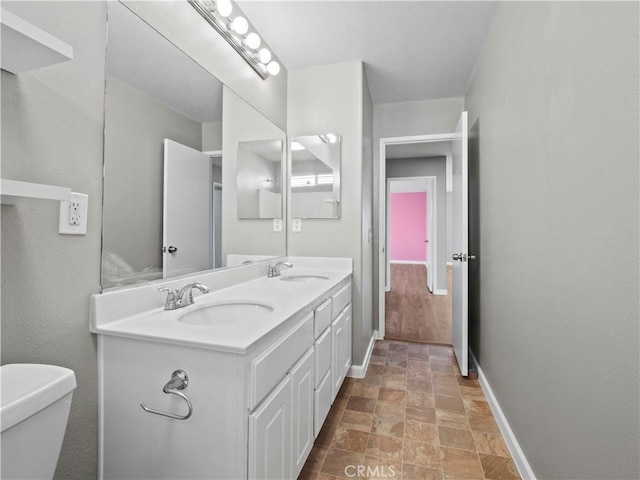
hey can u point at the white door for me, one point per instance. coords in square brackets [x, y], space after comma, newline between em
[460, 242]
[428, 244]
[302, 436]
[187, 210]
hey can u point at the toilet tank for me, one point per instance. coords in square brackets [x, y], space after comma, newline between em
[34, 408]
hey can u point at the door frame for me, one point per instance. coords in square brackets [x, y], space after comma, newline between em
[382, 220]
[432, 225]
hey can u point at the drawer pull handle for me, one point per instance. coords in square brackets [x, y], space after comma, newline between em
[179, 381]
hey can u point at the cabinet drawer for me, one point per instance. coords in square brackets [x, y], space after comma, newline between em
[340, 299]
[322, 404]
[323, 355]
[322, 318]
[272, 365]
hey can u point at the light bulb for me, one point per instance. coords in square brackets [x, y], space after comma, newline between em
[273, 68]
[264, 56]
[295, 146]
[224, 7]
[253, 41]
[332, 138]
[240, 25]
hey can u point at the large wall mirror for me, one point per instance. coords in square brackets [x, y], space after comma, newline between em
[169, 177]
[315, 176]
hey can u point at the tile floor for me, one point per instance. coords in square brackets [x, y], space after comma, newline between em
[412, 417]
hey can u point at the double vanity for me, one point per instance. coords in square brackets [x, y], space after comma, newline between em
[235, 385]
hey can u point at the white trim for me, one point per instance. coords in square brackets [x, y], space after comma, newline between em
[522, 464]
[440, 291]
[409, 262]
[378, 336]
[359, 371]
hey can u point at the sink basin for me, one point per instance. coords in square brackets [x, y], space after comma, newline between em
[225, 313]
[303, 278]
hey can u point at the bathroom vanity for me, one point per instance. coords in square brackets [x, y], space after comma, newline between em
[265, 359]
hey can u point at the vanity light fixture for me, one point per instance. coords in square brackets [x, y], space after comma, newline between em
[329, 138]
[236, 31]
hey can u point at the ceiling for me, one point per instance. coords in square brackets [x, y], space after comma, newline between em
[413, 50]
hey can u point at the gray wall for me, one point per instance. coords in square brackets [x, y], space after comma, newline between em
[136, 125]
[554, 120]
[429, 167]
[367, 214]
[330, 98]
[52, 128]
[52, 125]
[425, 117]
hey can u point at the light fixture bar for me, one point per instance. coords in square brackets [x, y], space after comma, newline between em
[226, 34]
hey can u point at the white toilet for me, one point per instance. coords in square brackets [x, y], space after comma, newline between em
[34, 408]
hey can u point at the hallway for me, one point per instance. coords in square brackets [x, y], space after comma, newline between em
[412, 312]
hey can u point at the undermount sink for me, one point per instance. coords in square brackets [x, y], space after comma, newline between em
[303, 278]
[225, 312]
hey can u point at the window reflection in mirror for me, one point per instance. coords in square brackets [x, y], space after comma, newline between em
[259, 172]
[315, 176]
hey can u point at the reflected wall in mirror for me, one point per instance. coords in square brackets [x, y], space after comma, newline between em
[315, 176]
[258, 179]
[163, 167]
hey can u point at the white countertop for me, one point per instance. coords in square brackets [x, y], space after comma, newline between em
[237, 336]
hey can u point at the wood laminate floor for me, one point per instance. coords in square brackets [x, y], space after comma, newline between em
[412, 312]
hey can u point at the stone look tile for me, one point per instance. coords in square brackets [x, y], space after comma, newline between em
[391, 426]
[421, 432]
[336, 461]
[453, 404]
[419, 453]
[478, 407]
[490, 444]
[417, 472]
[391, 395]
[412, 413]
[351, 440]
[456, 438]
[354, 420]
[361, 404]
[460, 463]
[385, 447]
[498, 468]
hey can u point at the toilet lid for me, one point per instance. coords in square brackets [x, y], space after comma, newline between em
[26, 388]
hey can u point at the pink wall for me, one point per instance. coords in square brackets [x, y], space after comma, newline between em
[408, 212]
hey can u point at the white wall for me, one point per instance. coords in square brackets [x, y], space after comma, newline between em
[425, 117]
[52, 130]
[324, 99]
[553, 110]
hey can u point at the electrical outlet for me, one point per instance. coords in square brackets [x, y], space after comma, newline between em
[277, 224]
[296, 224]
[73, 215]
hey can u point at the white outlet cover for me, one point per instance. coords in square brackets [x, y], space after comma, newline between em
[296, 224]
[277, 224]
[79, 217]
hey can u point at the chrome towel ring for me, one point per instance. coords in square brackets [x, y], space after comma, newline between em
[179, 381]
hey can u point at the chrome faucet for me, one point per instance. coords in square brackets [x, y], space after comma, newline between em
[183, 297]
[274, 270]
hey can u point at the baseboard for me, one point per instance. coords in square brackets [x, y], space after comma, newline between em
[409, 262]
[522, 464]
[359, 371]
[439, 291]
[378, 336]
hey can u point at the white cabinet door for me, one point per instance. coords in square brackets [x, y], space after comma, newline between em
[346, 346]
[302, 379]
[337, 355]
[270, 435]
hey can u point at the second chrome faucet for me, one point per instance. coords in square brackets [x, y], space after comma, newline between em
[274, 270]
[183, 297]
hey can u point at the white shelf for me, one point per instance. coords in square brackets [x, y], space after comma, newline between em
[26, 47]
[12, 190]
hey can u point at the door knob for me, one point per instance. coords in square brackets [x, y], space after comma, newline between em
[472, 257]
[171, 249]
[457, 256]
